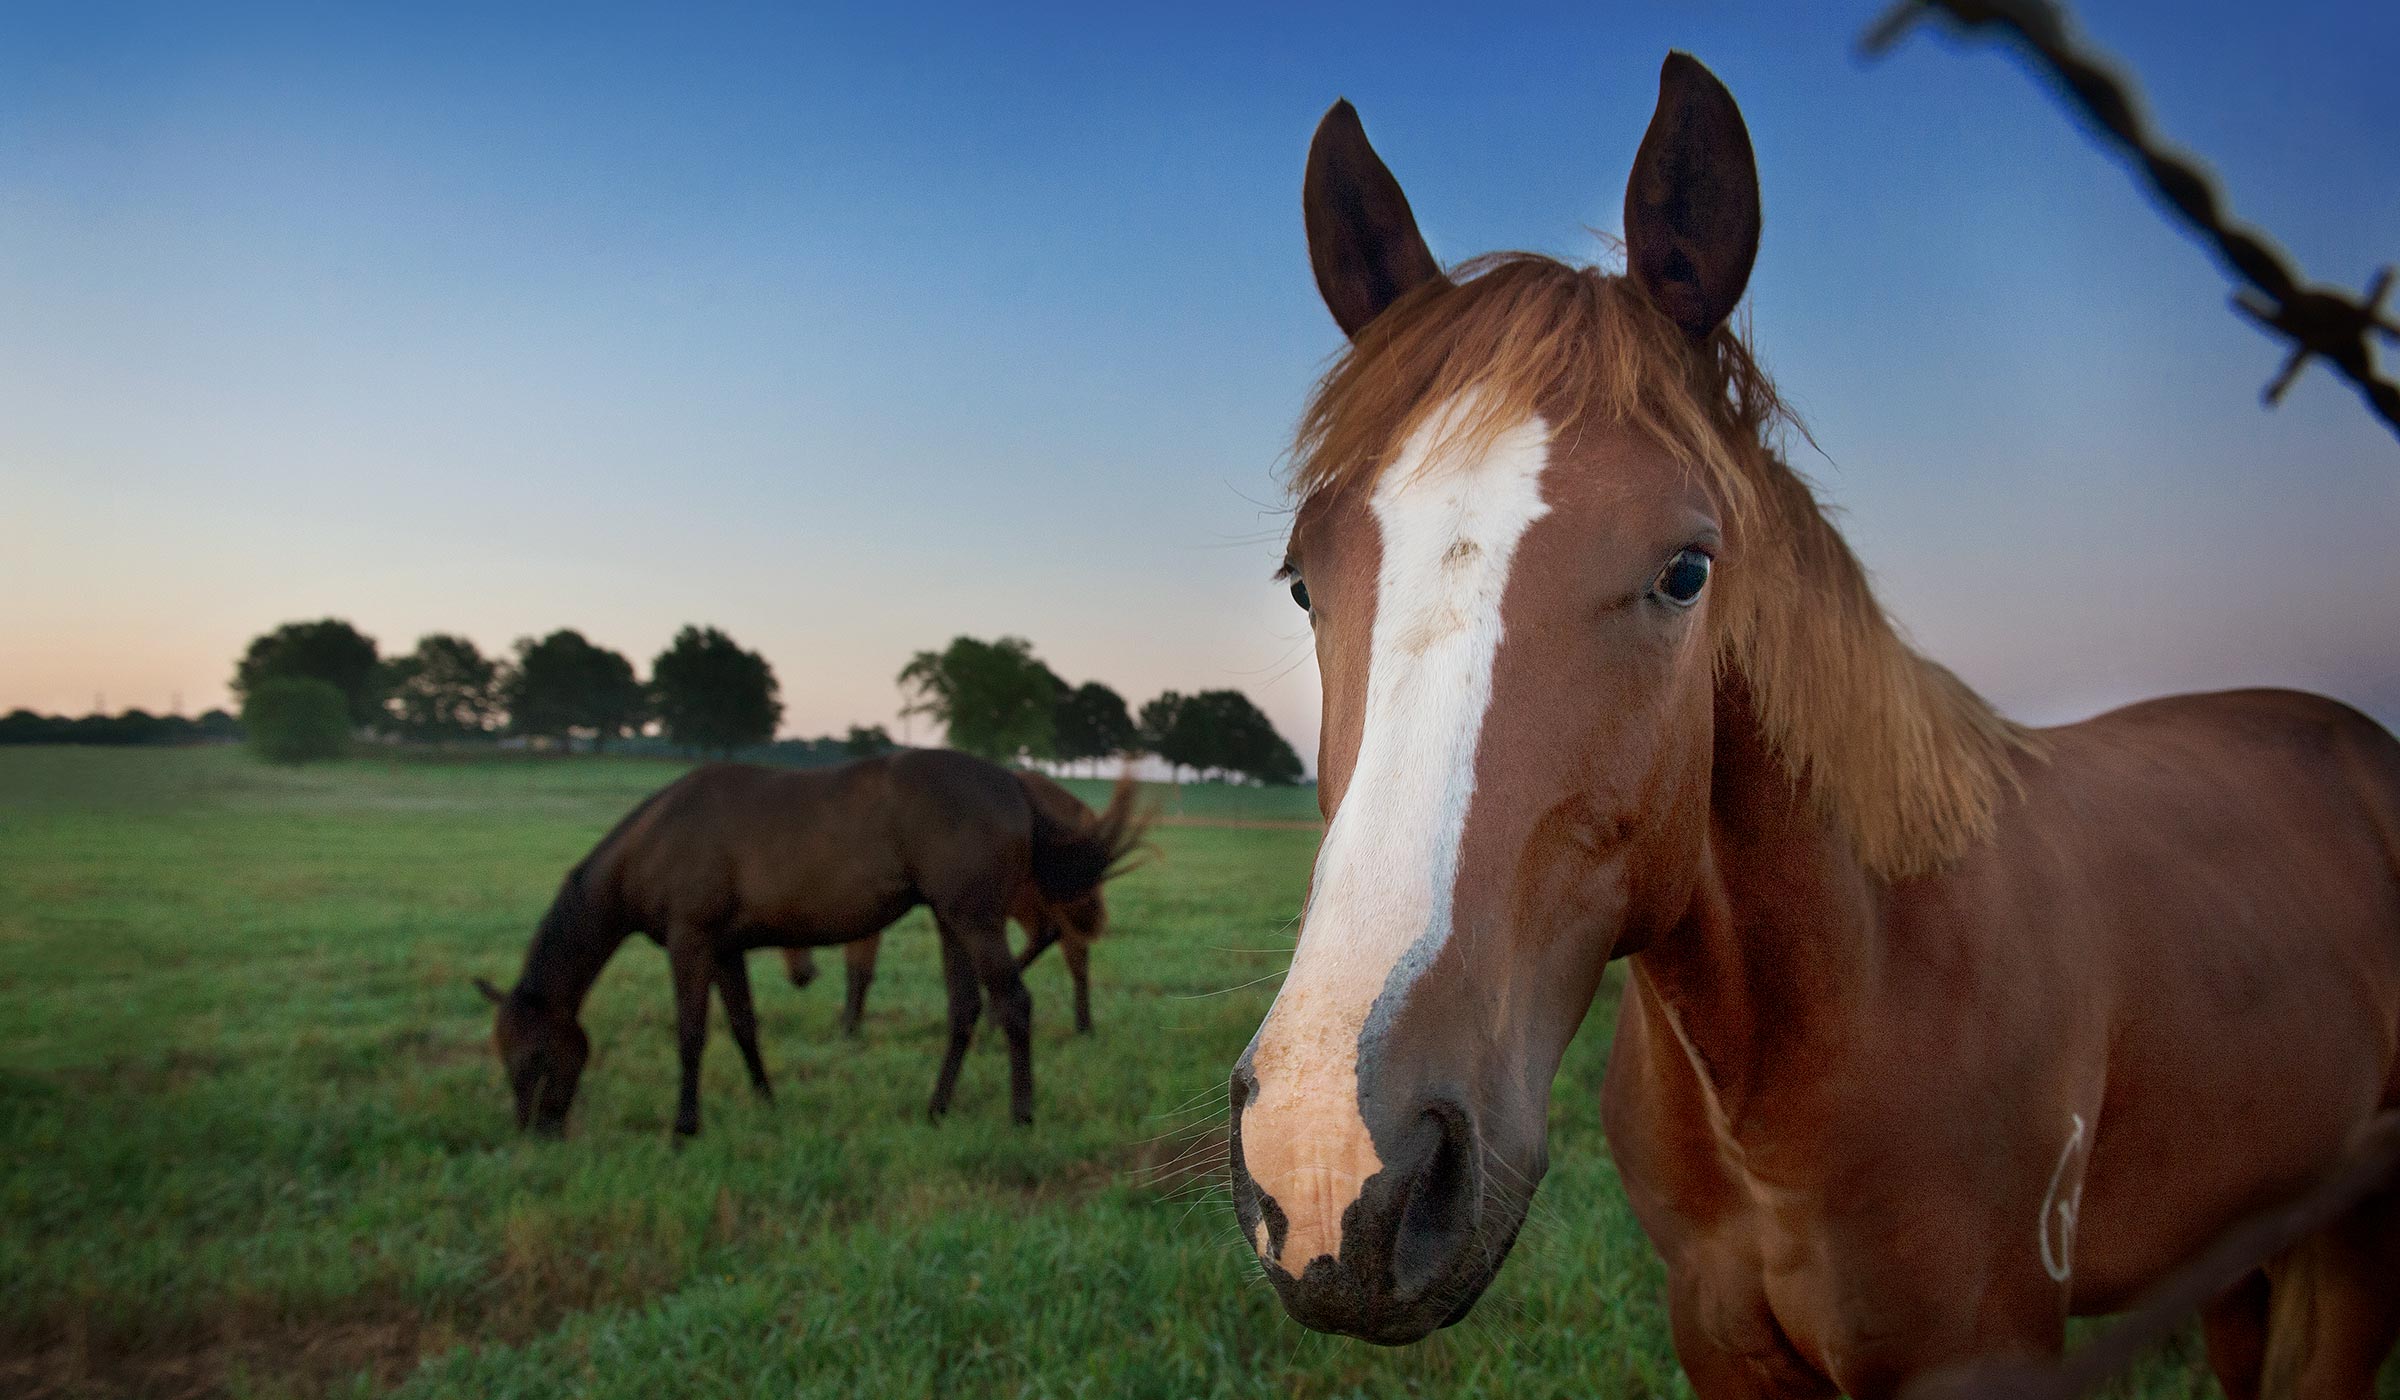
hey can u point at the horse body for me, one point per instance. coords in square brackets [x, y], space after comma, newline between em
[1075, 923]
[731, 857]
[1879, 1127]
[833, 865]
[1936, 1030]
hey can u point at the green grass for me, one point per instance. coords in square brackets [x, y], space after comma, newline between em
[1215, 801]
[257, 1145]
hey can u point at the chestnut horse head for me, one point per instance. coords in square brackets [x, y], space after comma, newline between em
[1538, 521]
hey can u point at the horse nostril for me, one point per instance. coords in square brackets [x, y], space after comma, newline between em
[1443, 1200]
[1242, 1087]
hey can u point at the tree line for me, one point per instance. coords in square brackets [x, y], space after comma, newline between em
[328, 680]
[129, 727]
[307, 689]
[999, 700]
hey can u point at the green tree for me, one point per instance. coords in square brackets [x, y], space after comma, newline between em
[294, 719]
[563, 683]
[712, 695]
[866, 741]
[22, 726]
[1241, 739]
[1217, 731]
[329, 650]
[445, 689]
[1162, 730]
[993, 699]
[1092, 723]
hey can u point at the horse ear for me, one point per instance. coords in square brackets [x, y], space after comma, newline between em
[490, 992]
[1362, 237]
[1691, 206]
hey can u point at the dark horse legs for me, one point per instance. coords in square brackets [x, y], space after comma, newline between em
[1013, 1005]
[691, 962]
[966, 1005]
[733, 984]
[1079, 955]
[696, 965]
[859, 964]
[1038, 938]
[975, 960]
[858, 961]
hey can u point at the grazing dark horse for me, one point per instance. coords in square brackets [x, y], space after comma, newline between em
[1936, 1030]
[731, 857]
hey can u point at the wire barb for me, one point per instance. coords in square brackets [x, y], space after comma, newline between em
[2319, 322]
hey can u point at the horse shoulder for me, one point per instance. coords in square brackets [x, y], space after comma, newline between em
[1687, 1189]
[2215, 873]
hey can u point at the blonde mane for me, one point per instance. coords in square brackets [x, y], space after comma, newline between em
[1893, 748]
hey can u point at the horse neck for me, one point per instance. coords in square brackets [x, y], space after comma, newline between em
[566, 959]
[1783, 929]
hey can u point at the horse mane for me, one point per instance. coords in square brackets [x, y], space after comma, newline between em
[582, 922]
[1893, 748]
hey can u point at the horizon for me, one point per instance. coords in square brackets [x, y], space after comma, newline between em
[852, 333]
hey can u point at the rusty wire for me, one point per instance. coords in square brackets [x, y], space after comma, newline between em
[2318, 321]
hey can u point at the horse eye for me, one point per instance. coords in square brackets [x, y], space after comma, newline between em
[1683, 578]
[1300, 593]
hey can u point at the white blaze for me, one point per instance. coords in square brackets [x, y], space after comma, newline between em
[1450, 524]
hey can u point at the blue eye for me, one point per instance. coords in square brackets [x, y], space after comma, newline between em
[1300, 594]
[1683, 578]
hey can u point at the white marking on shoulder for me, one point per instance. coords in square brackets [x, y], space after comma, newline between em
[2061, 1204]
[1385, 874]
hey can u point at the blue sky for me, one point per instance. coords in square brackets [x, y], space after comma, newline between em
[851, 330]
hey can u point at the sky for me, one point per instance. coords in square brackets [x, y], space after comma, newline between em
[850, 330]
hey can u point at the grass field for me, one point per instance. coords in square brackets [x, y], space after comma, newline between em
[256, 1143]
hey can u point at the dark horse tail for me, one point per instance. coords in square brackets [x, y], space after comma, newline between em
[1072, 857]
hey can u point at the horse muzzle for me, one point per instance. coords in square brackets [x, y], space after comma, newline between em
[1410, 1252]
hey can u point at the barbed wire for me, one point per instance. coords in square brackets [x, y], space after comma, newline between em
[2320, 323]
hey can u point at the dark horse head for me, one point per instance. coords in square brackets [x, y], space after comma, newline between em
[542, 1050]
[1504, 541]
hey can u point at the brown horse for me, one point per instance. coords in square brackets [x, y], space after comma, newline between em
[1075, 923]
[1936, 1030]
[732, 857]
